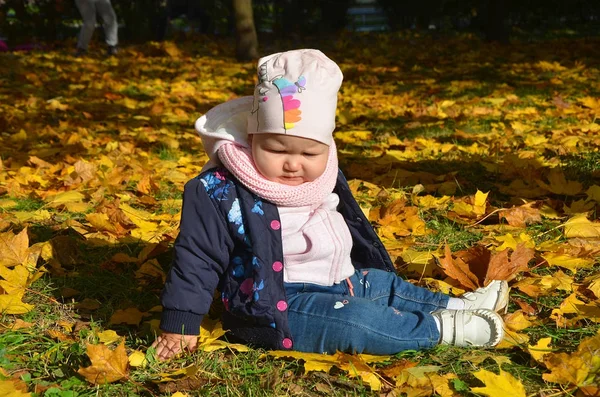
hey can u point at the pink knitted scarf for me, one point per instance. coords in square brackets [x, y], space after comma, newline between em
[238, 160]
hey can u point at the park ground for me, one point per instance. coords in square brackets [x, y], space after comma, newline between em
[472, 160]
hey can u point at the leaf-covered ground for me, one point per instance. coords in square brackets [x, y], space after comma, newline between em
[473, 161]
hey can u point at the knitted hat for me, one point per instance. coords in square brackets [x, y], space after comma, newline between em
[296, 95]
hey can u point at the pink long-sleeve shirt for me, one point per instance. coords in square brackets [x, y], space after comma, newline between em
[316, 243]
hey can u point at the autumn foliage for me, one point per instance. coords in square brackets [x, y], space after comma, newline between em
[474, 162]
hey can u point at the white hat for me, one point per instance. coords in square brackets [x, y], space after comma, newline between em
[296, 95]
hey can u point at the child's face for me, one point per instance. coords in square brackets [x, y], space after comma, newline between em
[287, 159]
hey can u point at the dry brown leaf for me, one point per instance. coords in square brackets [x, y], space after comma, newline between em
[458, 270]
[527, 308]
[504, 268]
[521, 216]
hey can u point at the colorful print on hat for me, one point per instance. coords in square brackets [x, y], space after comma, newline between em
[296, 95]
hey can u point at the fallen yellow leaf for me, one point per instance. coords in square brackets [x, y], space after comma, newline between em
[501, 385]
[107, 365]
[137, 359]
[540, 349]
[109, 336]
[14, 248]
[580, 226]
[517, 321]
[130, 315]
[8, 388]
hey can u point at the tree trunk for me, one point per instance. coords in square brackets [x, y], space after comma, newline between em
[246, 40]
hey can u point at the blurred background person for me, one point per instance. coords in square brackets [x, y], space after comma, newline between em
[89, 10]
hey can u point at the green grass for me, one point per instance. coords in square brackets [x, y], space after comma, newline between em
[584, 167]
[28, 204]
[164, 153]
[435, 131]
[39, 356]
[134, 92]
[546, 230]
[444, 231]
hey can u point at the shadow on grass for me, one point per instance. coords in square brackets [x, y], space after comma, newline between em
[99, 278]
[504, 176]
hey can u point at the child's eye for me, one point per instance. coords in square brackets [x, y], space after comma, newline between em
[276, 151]
[310, 154]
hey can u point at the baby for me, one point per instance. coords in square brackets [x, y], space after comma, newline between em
[271, 224]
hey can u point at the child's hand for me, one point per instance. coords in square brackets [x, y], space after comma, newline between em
[168, 345]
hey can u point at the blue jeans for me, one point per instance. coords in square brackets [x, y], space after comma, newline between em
[386, 315]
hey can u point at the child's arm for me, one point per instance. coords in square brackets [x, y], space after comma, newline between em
[168, 344]
[200, 257]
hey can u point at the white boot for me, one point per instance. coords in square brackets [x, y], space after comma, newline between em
[493, 297]
[479, 327]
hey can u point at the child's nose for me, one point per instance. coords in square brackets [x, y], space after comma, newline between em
[291, 164]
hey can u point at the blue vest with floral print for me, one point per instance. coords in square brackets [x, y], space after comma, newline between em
[230, 241]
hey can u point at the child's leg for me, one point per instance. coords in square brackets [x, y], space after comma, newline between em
[323, 322]
[387, 289]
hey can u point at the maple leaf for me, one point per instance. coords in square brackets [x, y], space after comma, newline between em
[512, 339]
[565, 369]
[147, 185]
[503, 384]
[210, 332]
[355, 365]
[441, 384]
[517, 321]
[458, 270]
[185, 372]
[502, 267]
[540, 349]
[509, 241]
[395, 369]
[430, 202]
[13, 304]
[559, 184]
[594, 284]
[593, 193]
[101, 222]
[108, 366]
[564, 259]
[15, 280]
[130, 315]
[473, 207]
[478, 357]
[13, 388]
[592, 103]
[442, 286]
[107, 337]
[416, 381]
[138, 359]
[151, 268]
[521, 216]
[580, 226]
[14, 248]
